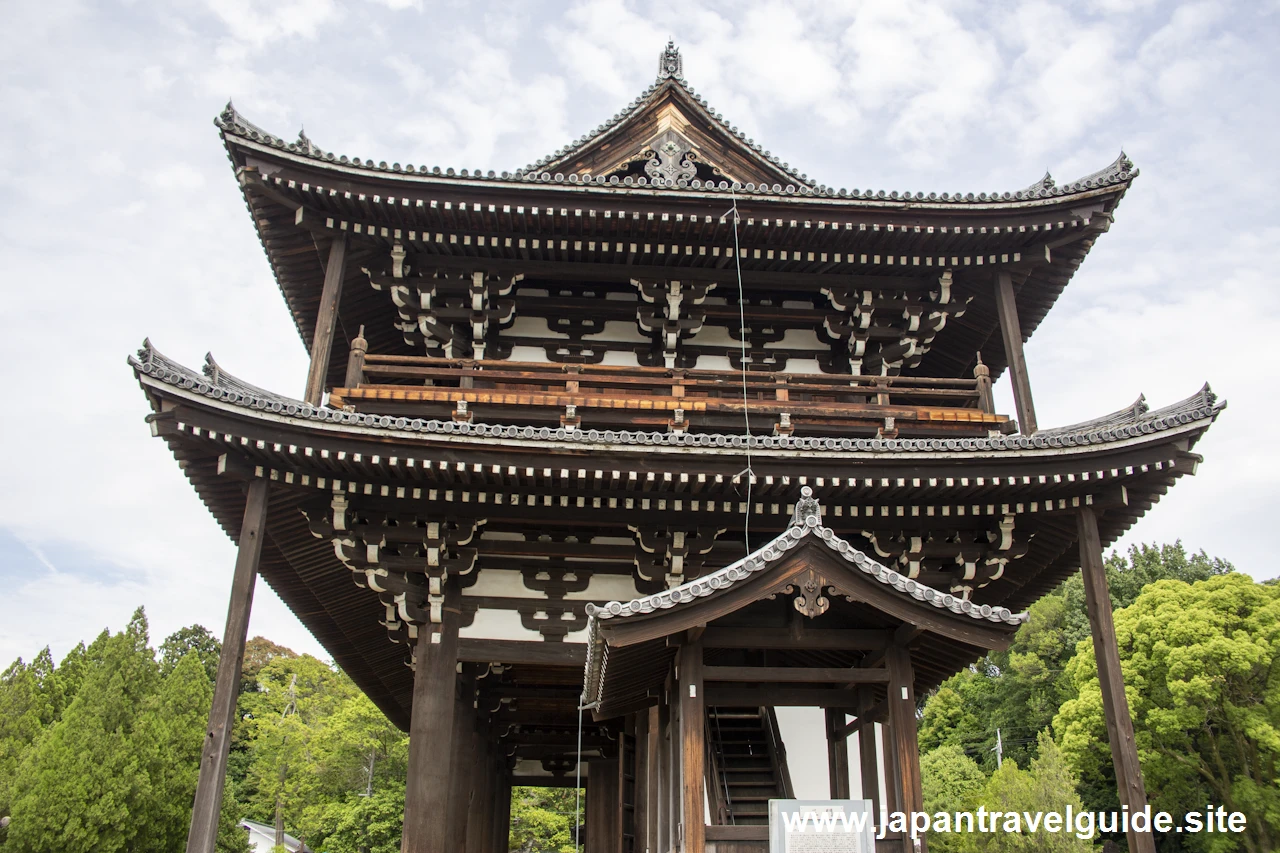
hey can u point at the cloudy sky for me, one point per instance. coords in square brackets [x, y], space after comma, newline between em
[120, 218]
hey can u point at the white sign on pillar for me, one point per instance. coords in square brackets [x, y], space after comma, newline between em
[821, 826]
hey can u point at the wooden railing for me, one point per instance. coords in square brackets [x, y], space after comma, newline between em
[610, 397]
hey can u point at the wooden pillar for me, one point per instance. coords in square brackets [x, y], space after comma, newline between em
[1011, 332]
[203, 836]
[462, 771]
[1115, 705]
[480, 814]
[666, 831]
[603, 832]
[868, 766]
[892, 782]
[431, 727]
[653, 782]
[692, 748]
[641, 768]
[326, 320]
[502, 813]
[902, 716]
[837, 755]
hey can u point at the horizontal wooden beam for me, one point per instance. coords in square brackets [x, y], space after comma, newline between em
[871, 715]
[808, 697]
[729, 832]
[795, 674]
[534, 653]
[775, 638]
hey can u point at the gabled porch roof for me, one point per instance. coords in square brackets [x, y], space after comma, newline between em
[627, 648]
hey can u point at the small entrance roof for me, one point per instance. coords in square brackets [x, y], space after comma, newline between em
[626, 641]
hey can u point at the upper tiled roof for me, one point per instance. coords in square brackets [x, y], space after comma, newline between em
[1132, 422]
[548, 170]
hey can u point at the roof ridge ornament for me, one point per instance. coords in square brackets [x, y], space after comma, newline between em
[806, 508]
[670, 63]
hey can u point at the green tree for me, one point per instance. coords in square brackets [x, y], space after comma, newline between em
[1049, 785]
[29, 704]
[84, 787]
[362, 824]
[952, 781]
[542, 820]
[193, 638]
[1200, 663]
[169, 735]
[1019, 691]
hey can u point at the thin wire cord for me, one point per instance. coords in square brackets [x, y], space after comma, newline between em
[742, 333]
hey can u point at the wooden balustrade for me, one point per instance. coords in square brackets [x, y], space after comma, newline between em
[609, 397]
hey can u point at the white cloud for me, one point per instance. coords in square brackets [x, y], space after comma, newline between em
[122, 219]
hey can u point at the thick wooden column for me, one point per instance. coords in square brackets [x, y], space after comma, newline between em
[902, 717]
[203, 836]
[326, 320]
[653, 782]
[431, 724]
[641, 813]
[1115, 705]
[480, 815]
[603, 832]
[692, 747]
[666, 752]
[837, 755]
[1011, 332]
[502, 811]
[462, 771]
[868, 765]
[892, 782]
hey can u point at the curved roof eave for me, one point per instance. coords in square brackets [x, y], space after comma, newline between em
[237, 131]
[1113, 431]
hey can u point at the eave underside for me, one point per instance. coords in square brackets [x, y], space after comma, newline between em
[299, 208]
[346, 619]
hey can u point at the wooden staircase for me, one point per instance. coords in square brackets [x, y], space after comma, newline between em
[748, 764]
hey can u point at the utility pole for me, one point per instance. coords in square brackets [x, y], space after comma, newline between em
[999, 749]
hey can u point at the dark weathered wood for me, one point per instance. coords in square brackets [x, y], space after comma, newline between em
[462, 773]
[839, 639]
[902, 714]
[502, 813]
[1115, 705]
[355, 360]
[666, 735]
[326, 320]
[866, 716]
[811, 697]
[692, 747]
[795, 675]
[982, 375]
[892, 780]
[431, 734]
[203, 835]
[641, 814]
[837, 756]
[653, 780]
[474, 650]
[868, 764]
[602, 830]
[1011, 333]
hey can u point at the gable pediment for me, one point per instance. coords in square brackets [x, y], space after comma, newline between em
[669, 134]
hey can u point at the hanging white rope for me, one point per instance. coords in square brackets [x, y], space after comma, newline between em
[577, 790]
[742, 340]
